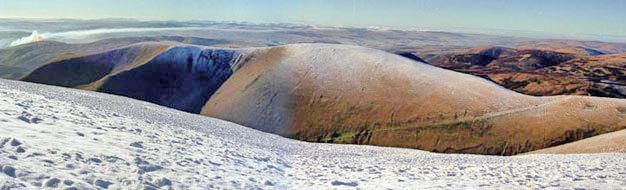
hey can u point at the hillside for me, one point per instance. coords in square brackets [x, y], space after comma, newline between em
[611, 142]
[59, 138]
[538, 72]
[17, 62]
[347, 94]
[573, 46]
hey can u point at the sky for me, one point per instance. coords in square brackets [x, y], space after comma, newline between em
[595, 17]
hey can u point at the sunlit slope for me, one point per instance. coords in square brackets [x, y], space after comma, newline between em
[610, 142]
[350, 94]
[347, 94]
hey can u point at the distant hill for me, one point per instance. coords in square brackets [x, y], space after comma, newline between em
[573, 46]
[17, 62]
[536, 71]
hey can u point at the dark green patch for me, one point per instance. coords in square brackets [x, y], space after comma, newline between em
[341, 137]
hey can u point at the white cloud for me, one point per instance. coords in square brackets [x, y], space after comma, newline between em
[81, 34]
[35, 36]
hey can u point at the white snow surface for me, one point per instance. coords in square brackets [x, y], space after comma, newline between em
[57, 138]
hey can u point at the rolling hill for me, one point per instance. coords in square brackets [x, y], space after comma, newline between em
[342, 94]
[537, 72]
[17, 62]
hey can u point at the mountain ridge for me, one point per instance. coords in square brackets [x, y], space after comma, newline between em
[351, 94]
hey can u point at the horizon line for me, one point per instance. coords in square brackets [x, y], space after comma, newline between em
[460, 30]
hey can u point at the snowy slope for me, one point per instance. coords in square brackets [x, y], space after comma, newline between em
[63, 138]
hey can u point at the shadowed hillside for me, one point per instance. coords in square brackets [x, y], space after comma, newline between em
[349, 94]
[17, 62]
[77, 71]
[182, 77]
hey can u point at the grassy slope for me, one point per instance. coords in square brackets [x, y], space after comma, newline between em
[611, 142]
[354, 95]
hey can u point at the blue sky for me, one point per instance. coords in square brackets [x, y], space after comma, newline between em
[598, 17]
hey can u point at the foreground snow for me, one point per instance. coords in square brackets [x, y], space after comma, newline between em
[62, 138]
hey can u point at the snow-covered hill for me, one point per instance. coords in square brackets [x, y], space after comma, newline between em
[340, 94]
[54, 137]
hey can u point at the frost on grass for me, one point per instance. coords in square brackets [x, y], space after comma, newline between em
[67, 139]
